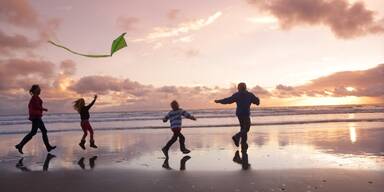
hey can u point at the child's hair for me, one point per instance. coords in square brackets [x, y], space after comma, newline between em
[78, 104]
[33, 88]
[174, 105]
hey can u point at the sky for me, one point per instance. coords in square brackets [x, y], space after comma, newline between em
[289, 52]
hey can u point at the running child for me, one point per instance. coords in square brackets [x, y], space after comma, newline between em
[79, 106]
[174, 117]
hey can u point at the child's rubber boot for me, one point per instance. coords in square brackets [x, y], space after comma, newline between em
[236, 141]
[82, 144]
[19, 148]
[166, 164]
[185, 150]
[237, 158]
[93, 144]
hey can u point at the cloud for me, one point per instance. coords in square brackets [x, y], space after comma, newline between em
[173, 14]
[19, 73]
[18, 12]
[192, 52]
[123, 94]
[107, 84]
[127, 23]
[60, 88]
[181, 29]
[10, 43]
[260, 91]
[346, 20]
[21, 13]
[363, 83]
[68, 67]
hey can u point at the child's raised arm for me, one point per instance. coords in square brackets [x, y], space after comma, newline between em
[93, 102]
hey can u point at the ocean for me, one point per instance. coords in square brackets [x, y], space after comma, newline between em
[206, 118]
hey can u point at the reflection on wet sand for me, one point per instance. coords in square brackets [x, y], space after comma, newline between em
[334, 145]
[182, 163]
[352, 132]
[92, 163]
[243, 160]
[20, 165]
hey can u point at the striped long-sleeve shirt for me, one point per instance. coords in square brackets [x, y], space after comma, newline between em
[175, 116]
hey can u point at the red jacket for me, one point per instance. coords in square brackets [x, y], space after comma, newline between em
[35, 107]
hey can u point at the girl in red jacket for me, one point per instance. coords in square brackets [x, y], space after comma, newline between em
[36, 109]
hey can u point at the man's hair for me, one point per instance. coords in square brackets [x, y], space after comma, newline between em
[241, 86]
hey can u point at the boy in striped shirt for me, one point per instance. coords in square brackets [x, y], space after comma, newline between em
[174, 117]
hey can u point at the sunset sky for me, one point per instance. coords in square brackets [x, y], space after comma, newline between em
[289, 52]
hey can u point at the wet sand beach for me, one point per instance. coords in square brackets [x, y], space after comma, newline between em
[310, 157]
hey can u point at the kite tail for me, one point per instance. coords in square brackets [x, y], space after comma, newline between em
[74, 52]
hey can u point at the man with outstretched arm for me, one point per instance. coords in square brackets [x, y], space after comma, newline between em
[243, 100]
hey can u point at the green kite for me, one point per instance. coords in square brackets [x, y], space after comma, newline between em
[117, 44]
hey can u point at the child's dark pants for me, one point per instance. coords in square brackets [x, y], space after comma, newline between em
[176, 134]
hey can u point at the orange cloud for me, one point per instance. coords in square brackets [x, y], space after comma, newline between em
[363, 83]
[60, 89]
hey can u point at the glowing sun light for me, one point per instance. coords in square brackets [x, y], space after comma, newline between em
[350, 88]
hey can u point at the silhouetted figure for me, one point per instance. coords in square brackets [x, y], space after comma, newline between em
[183, 161]
[243, 160]
[175, 117]
[48, 158]
[243, 100]
[36, 109]
[79, 106]
[92, 162]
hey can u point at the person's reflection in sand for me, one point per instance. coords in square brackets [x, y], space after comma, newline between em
[20, 165]
[92, 162]
[243, 160]
[47, 160]
[183, 161]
